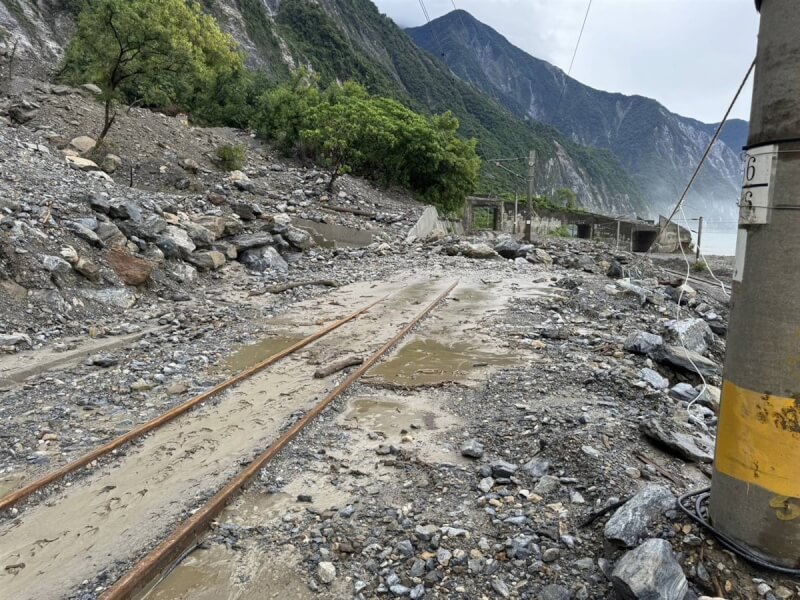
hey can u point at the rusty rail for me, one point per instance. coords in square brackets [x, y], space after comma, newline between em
[171, 549]
[33, 487]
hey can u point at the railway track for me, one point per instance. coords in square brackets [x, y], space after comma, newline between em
[113, 517]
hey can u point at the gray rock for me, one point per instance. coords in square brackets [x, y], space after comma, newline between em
[508, 247]
[110, 163]
[695, 334]
[479, 250]
[688, 447]
[298, 238]
[684, 392]
[201, 236]
[418, 592]
[125, 210]
[443, 556]
[249, 242]
[643, 342]
[207, 261]
[119, 297]
[500, 586]
[540, 257]
[630, 523]
[679, 358]
[177, 238]
[654, 379]
[486, 484]
[56, 264]
[405, 548]
[91, 88]
[536, 467]
[472, 449]
[502, 468]
[425, 532]
[554, 592]
[263, 259]
[83, 232]
[326, 572]
[547, 485]
[650, 572]
[14, 339]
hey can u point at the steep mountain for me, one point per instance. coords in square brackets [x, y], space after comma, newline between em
[658, 148]
[350, 39]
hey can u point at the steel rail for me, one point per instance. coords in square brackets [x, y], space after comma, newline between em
[172, 548]
[33, 487]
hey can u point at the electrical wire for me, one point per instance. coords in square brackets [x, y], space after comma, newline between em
[698, 512]
[707, 152]
[580, 37]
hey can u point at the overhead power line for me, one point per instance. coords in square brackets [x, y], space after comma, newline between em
[685, 193]
[580, 37]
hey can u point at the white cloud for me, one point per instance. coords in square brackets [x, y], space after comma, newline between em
[688, 54]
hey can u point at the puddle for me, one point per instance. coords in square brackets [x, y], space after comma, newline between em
[329, 235]
[247, 356]
[389, 416]
[255, 507]
[220, 574]
[417, 415]
[427, 363]
[10, 483]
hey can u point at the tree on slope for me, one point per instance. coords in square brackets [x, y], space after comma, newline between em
[160, 52]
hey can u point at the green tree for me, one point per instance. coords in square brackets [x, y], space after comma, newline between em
[281, 114]
[566, 197]
[160, 52]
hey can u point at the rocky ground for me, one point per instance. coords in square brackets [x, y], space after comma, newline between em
[545, 464]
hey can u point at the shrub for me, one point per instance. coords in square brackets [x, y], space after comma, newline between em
[562, 231]
[231, 157]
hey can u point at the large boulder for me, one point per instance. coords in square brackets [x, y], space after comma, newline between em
[630, 523]
[214, 224]
[650, 572]
[130, 269]
[82, 164]
[694, 334]
[686, 360]
[83, 144]
[643, 342]
[298, 238]
[508, 247]
[207, 261]
[263, 259]
[175, 243]
[250, 241]
[538, 256]
[201, 236]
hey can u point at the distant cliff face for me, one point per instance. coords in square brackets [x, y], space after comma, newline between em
[350, 39]
[658, 148]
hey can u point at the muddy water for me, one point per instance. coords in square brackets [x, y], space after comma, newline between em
[330, 235]
[252, 354]
[221, 574]
[428, 362]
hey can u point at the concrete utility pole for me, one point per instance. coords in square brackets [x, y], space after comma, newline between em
[755, 492]
[699, 238]
[531, 175]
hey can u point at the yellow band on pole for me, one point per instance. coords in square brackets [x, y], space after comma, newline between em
[758, 440]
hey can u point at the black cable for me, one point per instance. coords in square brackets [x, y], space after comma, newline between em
[700, 516]
[580, 36]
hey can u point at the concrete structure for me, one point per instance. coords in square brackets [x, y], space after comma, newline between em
[636, 235]
[755, 490]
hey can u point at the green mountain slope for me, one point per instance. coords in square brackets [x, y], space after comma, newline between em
[659, 149]
[351, 39]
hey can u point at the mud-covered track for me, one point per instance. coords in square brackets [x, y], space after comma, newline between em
[37, 485]
[183, 537]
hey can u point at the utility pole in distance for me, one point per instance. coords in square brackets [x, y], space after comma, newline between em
[699, 238]
[755, 491]
[531, 175]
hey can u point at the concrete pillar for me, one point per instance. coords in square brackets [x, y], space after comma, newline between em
[755, 493]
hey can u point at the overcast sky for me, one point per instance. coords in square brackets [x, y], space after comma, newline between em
[690, 55]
